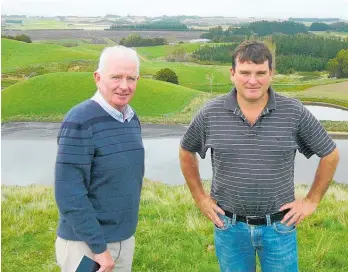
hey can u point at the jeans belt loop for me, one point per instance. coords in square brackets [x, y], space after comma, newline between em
[268, 218]
[234, 219]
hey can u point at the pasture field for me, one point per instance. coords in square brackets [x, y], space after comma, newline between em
[22, 59]
[17, 54]
[23, 64]
[52, 95]
[97, 42]
[172, 234]
[161, 51]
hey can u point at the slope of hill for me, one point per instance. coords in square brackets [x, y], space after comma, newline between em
[15, 54]
[54, 94]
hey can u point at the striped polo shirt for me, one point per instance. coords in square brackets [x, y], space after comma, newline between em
[253, 166]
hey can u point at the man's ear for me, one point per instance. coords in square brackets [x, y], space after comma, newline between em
[271, 75]
[96, 76]
[232, 72]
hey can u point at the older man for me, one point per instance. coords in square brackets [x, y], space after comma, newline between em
[100, 168]
[253, 134]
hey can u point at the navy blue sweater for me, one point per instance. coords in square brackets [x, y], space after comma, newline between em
[98, 176]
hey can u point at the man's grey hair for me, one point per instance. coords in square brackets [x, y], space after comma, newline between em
[117, 50]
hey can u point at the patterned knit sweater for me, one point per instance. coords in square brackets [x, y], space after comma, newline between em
[98, 176]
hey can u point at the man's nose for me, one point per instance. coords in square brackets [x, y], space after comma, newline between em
[252, 79]
[123, 83]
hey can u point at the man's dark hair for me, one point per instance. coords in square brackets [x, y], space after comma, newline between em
[254, 51]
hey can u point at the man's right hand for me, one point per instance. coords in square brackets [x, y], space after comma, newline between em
[209, 208]
[105, 261]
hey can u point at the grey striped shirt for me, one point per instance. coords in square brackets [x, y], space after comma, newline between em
[253, 166]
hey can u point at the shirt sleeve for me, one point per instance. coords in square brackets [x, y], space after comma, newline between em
[72, 178]
[312, 137]
[194, 139]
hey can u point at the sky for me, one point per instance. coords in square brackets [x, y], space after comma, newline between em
[227, 8]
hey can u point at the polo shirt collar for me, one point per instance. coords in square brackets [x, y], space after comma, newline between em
[231, 102]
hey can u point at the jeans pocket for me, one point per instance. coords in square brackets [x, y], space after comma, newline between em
[283, 228]
[225, 220]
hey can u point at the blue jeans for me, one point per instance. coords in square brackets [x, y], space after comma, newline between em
[236, 245]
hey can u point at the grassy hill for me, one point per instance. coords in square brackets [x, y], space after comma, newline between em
[54, 94]
[20, 60]
[192, 75]
[154, 52]
[15, 54]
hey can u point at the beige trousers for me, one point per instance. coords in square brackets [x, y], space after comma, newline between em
[69, 254]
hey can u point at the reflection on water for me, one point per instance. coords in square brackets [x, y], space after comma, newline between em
[325, 113]
[32, 161]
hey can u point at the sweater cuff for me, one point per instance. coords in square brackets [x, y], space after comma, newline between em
[97, 248]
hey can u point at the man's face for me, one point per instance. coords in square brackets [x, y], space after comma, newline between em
[251, 80]
[117, 81]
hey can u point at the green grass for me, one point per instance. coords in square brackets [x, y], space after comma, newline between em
[54, 94]
[17, 54]
[64, 42]
[336, 126]
[49, 97]
[192, 75]
[24, 59]
[195, 76]
[161, 51]
[6, 82]
[172, 235]
[83, 43]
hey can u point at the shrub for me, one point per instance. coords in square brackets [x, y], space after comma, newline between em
[167, 75]
[21, 38]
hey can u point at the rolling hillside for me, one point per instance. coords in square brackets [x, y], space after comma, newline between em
[15, 54]
[54, 94]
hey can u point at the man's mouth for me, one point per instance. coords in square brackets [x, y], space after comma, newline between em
[124, 95]
[253, 89]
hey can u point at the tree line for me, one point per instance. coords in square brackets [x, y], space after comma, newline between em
[135, 40]
[259, 28]
[292, 53]
[159, 25]
[314, 19]
[265, 28]
[336, 27]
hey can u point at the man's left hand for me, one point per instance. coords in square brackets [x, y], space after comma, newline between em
[299, 210]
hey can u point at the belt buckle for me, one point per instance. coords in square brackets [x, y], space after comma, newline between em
[248, 217]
